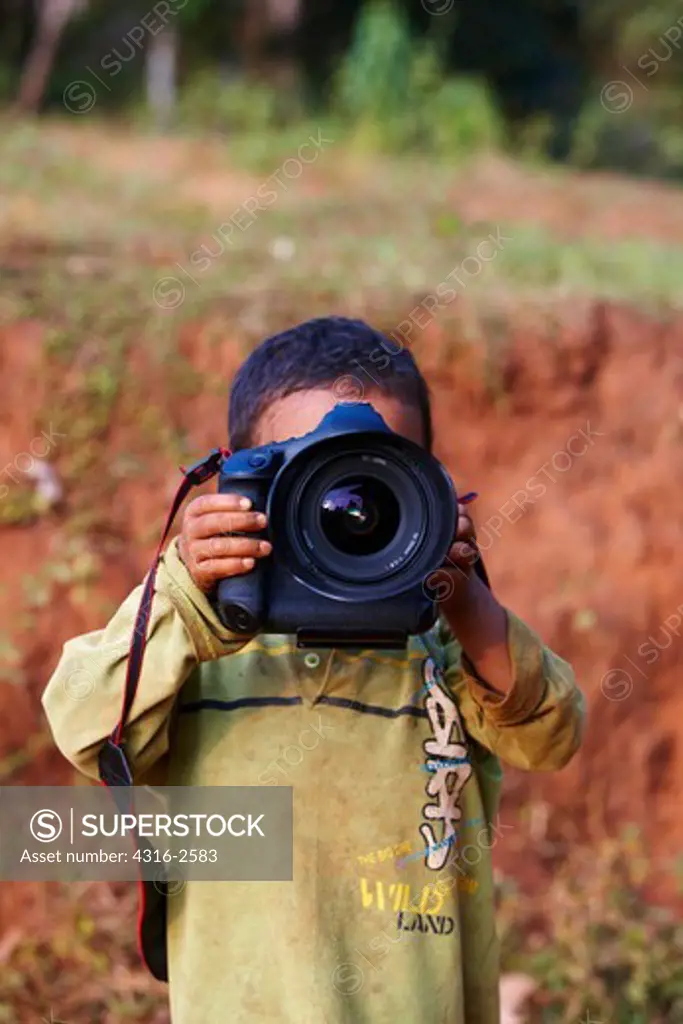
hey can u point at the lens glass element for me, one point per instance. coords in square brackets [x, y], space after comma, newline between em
[360, 515]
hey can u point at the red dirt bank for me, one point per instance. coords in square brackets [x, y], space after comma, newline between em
[593, 561]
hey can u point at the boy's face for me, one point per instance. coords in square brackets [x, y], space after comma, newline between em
[299, 413]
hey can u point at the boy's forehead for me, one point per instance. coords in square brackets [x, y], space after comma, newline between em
[302, 411]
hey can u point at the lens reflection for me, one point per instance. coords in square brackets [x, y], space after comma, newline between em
[360, 516]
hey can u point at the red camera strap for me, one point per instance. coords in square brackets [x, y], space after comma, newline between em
[114, 767]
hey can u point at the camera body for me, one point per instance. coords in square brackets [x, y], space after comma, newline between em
[358, 517]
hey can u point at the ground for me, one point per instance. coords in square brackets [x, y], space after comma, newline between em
[556, 372]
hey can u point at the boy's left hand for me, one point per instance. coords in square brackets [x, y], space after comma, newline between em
[452, 579]
[464, 552]
[471, 610]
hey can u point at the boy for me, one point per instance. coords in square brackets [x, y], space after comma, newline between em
[357, 936]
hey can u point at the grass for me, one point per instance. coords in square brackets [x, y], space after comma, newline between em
[350, 232]
[603, 948]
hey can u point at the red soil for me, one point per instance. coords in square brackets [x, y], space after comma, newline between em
[594, 561]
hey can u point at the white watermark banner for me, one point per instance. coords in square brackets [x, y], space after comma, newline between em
[79, 833]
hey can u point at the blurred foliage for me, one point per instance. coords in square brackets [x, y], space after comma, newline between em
[77, 961]
[393, 93]
[626, 30]
[375, 78]
[237, 107]
[394, 73]
[646, 143]
[637, 53]
[594, 942]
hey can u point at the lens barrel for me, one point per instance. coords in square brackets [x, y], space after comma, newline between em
[362, 516]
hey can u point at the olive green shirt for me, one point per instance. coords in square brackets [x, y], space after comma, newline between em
[395, 771]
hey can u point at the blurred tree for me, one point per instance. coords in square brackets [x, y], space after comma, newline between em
[17, 20]
[542, 58]
[530, 51]
[52, 18]
[161, 59]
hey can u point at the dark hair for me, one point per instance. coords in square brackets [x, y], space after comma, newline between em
[323, 353]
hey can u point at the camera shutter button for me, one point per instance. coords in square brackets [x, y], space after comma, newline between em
[312, 660]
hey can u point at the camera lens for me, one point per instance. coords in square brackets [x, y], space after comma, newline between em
[359, 515]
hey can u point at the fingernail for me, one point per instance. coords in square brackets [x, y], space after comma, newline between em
[245, 503]
[248, 563]
[264, 547]
[261, 519]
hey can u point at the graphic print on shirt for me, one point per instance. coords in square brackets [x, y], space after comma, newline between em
[446, 780]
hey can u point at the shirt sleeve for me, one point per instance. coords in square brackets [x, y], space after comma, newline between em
[538, 724]
[83, 698]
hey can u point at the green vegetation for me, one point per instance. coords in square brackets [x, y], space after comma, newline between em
[393, 93]
[97, 269]
[398, 90]
[606, 950]
[394, 75]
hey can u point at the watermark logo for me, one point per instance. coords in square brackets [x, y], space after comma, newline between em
[347, 979]
[80, 96]
[169, 883]
[617, 683]
[438, 7]
[46, 826]
[348, 389]
[79, 685]
[617, 96]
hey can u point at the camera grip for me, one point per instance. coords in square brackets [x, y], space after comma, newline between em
[240, 600]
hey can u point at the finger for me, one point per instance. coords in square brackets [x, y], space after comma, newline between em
[208, 573]
[216, 523]
[229, 547]
[442, 583]
[464, 554]
[465, 530]
[208, 503]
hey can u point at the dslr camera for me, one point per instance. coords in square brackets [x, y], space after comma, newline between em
[358, 517]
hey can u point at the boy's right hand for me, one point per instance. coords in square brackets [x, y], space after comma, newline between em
[205, 545]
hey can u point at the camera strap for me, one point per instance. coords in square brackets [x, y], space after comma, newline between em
[113, 764]
[115, 770]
